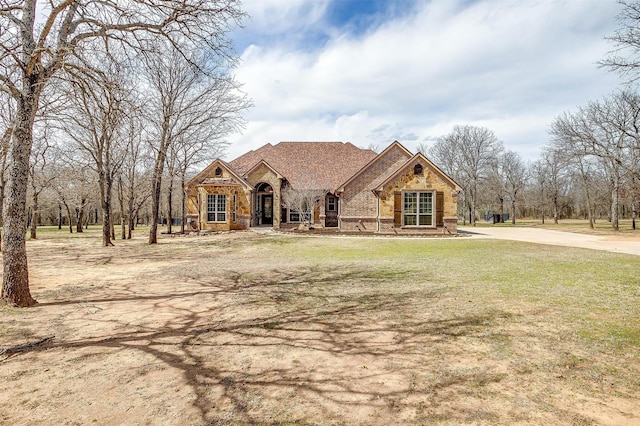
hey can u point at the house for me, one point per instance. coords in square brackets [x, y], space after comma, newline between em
[355, 190]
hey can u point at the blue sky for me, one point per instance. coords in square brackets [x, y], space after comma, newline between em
[374, 71]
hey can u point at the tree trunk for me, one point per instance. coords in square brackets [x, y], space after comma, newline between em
[15, 280]
[131, 216]
[615, 204]
[3, 181]
[155, 207]
[123, 226]
[183, 204]
[556, 209]
[590, 212]
[66, 206]
[105, 192]
[131, 225]
[80, 217]
[34, 217]
[59, 216]
[170, 206]
[156, 184]
[513, 210]
[472, 212]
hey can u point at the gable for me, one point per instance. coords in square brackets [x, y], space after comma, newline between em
[218, 173]
[374, 172]
[429, 170]
[263, 172]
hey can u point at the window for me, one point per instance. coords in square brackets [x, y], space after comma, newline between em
[300, 216]
[417, 170]
[418, 209]
[218, 172]
[331, 204]
[294, 216]
[216, 208]
[233, 211]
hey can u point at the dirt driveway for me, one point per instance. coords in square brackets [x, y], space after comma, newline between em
[616, 244]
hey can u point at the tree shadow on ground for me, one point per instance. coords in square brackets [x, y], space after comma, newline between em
[344, 320]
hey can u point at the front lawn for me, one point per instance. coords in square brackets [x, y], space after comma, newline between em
[244, 328]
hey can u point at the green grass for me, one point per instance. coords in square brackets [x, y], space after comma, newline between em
[597, 291]
[601, 226]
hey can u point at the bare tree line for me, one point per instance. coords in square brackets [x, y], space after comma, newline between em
[106, 106]
[588, 170]
[110, 89]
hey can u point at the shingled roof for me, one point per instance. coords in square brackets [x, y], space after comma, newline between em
[317, 165]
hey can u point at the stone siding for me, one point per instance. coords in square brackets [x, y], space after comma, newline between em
[358, 202]
[264, 174]
[428, 180]
[242, 212]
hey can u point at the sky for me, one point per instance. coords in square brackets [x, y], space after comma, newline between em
[373, 71]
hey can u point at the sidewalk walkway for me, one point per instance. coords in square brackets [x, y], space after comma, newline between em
[614, 244]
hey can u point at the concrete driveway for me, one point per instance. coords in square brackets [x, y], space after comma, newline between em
[616, 244]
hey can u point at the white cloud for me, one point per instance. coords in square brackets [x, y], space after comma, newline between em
[511, 66]
[283, 16]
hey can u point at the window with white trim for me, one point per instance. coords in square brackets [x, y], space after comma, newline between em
[216, 208]
[294, 216]
[418, 209]
[300, 216]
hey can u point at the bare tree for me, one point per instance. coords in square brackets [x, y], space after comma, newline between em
[7, 120]
[604, 129]
[514, 173]
[74, 186]
[31, 53]
[193, 151]
[494, 188]
[554, 168]
[304, 198]
[374, 147]
[538, 186]
[184, 100]
[94, 120]
[423, 148]
[625, 56]
[133, 182]
[40, 176]
[471, 153]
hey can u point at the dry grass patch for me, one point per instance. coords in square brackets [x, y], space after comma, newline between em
[251, 329]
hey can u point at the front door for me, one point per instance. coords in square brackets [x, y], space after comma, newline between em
[267, 209]
[331, 212]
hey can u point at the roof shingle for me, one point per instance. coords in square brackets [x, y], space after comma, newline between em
[317, 165]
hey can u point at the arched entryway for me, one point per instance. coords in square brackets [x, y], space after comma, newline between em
[264, 204]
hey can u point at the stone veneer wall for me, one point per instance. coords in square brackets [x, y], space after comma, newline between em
[263, 174]
[243, 207]
[200, 192]
[428, 180]
[358, 205]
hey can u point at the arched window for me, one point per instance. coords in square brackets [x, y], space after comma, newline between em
[417, 169]
[218, 172]
[264, 187]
